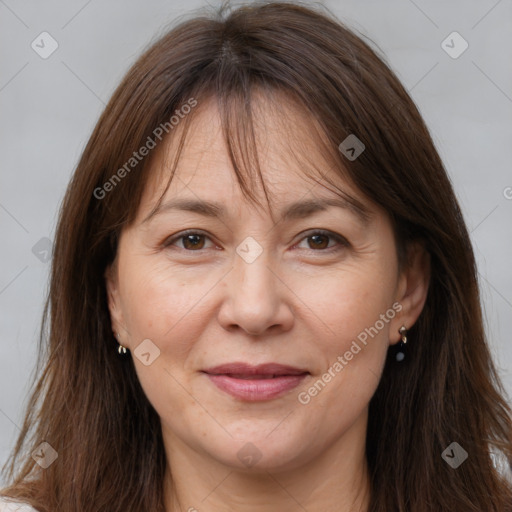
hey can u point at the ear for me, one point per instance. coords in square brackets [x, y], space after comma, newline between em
[114, 301]
[412, 289]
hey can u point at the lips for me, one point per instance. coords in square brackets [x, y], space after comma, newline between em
[253, 383]
[262, 371]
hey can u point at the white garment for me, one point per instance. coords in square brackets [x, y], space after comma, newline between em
[9, 505]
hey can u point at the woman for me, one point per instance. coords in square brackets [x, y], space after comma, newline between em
[263, 294]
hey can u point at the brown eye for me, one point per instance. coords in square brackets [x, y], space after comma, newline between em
[320, 241]
[193, 241]
[190, 241]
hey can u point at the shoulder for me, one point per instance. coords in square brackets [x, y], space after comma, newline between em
[10, 505]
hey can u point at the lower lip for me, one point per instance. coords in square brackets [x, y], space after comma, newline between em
[257, 389]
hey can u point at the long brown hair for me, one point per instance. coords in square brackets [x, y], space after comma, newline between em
[87, 402]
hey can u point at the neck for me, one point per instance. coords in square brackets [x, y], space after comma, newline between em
[336, 479]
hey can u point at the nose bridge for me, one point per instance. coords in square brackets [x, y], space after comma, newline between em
[255, 300]
[253, 279]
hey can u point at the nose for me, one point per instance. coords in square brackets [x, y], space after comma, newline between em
[256, 300]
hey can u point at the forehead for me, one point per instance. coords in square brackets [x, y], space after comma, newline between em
[289, 151]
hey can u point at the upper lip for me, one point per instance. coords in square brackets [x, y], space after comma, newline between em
[240, 368]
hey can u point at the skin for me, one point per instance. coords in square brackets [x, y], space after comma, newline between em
[302, 302]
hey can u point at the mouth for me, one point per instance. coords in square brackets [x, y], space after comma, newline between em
[256, 383]
[250, 377]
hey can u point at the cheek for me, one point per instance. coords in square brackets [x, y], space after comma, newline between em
[161, 304]
[354, 309]
[166, 307]
[348, 302]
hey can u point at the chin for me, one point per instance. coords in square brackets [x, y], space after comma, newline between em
[257, 451]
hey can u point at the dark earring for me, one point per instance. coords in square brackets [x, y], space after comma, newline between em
[400, 354]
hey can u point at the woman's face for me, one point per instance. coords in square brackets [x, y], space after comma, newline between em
[316, 291]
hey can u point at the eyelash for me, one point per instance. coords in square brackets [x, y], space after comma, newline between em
[342, 242]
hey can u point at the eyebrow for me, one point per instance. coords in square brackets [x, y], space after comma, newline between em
[293, 211]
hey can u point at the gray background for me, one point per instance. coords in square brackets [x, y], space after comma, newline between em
[49, 107]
